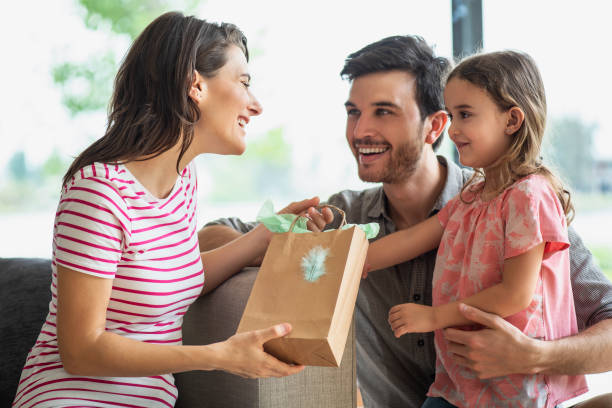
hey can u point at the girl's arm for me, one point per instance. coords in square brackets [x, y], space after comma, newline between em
[86, 348]
[404, 245]
[514, 293]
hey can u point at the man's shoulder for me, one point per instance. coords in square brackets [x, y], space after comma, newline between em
[456, 177]
[360, 206]
[347, 199]
[461, 173]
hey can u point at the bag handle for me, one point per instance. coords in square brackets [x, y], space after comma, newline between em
[341, 212]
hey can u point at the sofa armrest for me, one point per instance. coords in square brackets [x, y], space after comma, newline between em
[24, 300]
[214, 318]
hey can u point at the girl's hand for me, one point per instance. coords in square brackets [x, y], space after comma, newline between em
[243, 354]
[411, 318]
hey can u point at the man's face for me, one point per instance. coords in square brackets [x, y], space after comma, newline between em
[384, 127]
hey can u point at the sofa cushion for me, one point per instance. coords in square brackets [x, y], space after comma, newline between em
[24, 302]
[210, 319]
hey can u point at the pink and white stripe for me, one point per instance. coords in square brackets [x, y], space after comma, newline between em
[107, 225]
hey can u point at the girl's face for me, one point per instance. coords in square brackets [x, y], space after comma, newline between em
[226, 107]
[478, 127]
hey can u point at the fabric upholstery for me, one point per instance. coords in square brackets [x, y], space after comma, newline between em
[24, 301]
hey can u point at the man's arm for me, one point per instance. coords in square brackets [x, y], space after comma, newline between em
[222, 231]
[486, 351]
[592, 289]
[590, 351]
[213, 236]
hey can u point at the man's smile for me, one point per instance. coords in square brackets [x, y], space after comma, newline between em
[368, 153]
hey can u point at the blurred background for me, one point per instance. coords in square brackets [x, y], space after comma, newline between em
[60, 57]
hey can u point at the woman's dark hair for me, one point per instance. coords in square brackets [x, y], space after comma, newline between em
[408, 53]
[150, 110]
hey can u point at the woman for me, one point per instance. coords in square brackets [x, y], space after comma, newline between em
[126, 263]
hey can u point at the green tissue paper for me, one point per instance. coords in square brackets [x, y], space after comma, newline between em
[282, 222]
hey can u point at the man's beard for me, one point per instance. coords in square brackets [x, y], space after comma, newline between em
[402, 164]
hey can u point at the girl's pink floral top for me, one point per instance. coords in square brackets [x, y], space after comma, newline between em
[478, 237]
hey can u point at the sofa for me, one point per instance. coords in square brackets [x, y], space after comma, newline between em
[24, 301]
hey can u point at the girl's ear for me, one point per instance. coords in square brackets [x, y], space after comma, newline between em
[436, 122]
[197, 89]
[515, 120]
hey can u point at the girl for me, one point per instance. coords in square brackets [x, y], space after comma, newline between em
[126, 264]
[502, 242]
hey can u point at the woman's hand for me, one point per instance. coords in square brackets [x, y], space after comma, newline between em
[305, 208]
[243, 354]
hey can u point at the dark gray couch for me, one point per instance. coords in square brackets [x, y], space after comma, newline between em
[24, 301]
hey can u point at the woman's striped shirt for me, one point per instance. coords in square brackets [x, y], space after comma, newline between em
[109, 226]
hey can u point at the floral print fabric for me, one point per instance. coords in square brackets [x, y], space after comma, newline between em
[478, 237]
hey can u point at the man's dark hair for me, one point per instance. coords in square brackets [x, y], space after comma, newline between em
[408, 53]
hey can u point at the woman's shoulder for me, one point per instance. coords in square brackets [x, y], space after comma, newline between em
[100, 183]
[102, 172]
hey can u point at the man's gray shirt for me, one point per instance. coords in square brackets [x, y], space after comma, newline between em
[397, 372]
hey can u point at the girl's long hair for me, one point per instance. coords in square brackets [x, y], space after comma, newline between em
[511, 78]
[150, 109]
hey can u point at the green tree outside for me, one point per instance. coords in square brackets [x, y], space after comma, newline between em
[17, 168]
[123, 18]
[604, 258]
[569, 145]
[262, 171]
[31, 187]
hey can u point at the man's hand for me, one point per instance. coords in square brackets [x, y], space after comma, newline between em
[307, 208]
[411, 318]
[487, 351]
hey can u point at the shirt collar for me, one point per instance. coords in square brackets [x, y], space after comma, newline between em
[376, 202]
[455, 178]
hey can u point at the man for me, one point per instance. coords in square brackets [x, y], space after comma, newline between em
[395, 118]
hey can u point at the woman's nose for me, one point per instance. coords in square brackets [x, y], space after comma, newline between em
[255, 107]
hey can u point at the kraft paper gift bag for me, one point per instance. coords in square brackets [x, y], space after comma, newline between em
[311, 281]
